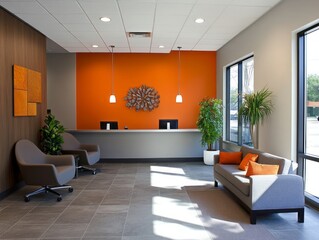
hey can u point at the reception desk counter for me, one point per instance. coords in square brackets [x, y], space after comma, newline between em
[144, 144]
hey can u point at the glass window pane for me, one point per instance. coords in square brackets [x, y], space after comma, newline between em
[312, 177]
[234, 103]
[312, 93]
[248, 87]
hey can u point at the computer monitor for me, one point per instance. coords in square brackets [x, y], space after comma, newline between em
[173, 123]
[113, 124]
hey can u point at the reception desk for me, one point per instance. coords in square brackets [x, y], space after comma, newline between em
[144, 144]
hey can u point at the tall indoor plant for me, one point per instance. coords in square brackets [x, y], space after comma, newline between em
[210, 124]
[51, 135]
[255, 108]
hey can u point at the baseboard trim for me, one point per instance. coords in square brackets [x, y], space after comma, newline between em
[149, 160]
[11, 190]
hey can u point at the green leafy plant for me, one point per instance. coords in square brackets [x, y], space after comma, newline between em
[51, 138]
[255, 108]
[210, 121]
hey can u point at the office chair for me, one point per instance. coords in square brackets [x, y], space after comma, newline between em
[89, 154]
[51, 172]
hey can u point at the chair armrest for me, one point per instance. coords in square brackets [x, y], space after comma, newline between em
[90, 147]
[59, 160]
[39, 174]
[276, 191]
[81, 152]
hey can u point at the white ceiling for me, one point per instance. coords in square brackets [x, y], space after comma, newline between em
[75, 24]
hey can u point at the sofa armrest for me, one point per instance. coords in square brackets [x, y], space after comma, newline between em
[276, 191]
[216, 159]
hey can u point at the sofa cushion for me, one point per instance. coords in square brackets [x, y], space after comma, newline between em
[230, 157]
[266, 158]
[249, 157]
[261, 169]
[234, 176]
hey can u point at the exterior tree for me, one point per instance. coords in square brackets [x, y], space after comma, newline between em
[313, 88]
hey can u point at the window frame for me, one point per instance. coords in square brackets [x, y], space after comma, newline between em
[239, 100]
[302, 156]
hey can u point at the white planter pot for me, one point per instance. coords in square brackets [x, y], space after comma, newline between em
[209, 157]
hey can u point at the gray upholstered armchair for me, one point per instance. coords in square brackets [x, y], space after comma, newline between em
[89, 154]
[51, 172]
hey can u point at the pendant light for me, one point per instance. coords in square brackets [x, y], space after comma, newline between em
[112, 96]
[179, 98]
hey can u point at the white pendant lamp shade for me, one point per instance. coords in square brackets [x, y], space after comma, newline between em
[112, 99]
[179, 98]
[112, 96]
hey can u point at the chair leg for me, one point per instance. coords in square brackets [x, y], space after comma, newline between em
[93, 170]
[46, 189]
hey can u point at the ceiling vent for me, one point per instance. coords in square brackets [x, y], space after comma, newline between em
[139, 34]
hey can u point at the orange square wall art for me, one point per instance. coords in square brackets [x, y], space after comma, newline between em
[26, 91]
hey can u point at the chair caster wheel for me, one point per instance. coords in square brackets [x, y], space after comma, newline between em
[59, 199]
[26, 199]
[94, 172]
[70, 189]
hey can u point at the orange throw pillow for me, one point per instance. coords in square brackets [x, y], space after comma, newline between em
[261, 169]
[230, 157]
[249, 157]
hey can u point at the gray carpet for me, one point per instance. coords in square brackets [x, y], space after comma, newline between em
[222, 217]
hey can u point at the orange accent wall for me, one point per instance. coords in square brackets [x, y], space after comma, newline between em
[160, 71]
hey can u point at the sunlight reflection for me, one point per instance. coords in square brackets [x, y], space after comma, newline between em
[167, 170]
[171, 230]
[174, 209]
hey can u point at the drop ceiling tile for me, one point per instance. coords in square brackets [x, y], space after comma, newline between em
[140, 50]
[136, 7]
[138, 23]
[76, 18]
[160, 50]
[173, 9]
[261, 3]
[139, 42]
[99, 6]
[75, 50]
[61, 6]
[178, 1]
[75, 27]
[122, 50]
[24, 7]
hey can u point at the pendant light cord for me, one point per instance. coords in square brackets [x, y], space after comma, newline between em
[179, 70]
[112, 86]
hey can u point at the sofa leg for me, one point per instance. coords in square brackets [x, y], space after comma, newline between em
[253, 217]
[301, 215]
[216, 184]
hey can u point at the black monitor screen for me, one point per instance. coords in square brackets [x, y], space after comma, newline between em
[113, 124]
[172, 122]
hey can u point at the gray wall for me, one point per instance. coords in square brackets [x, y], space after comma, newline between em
[272, 40]
[61, 76]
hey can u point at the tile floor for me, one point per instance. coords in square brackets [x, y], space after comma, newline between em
[136, 201]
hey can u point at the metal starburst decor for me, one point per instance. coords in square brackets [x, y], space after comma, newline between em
[142, 98]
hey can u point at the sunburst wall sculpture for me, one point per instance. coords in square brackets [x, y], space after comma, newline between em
[142, 98]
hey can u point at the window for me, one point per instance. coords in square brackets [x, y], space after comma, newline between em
[308, 109]
[239, 81]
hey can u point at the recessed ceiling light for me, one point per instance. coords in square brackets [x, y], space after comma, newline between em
[161, 46]
[199, 20]
[105, 19]
[95, 46]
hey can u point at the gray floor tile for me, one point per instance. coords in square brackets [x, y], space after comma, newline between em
[25, 231]
[65, 231]
[77, 214]
[145, 201]
[106, 224]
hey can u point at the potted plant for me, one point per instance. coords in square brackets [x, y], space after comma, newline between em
[210, 124]
[51, 138]
[255, 108]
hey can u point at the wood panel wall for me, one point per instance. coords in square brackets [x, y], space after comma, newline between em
[22, 45]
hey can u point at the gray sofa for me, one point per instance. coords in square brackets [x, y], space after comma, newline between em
[261, 194]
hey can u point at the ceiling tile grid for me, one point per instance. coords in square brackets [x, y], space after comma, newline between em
[75, 25]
